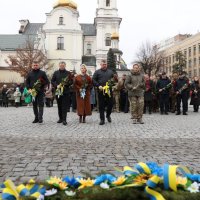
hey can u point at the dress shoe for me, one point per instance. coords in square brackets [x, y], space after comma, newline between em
[64, 123]
[185, 113]
[102, 122]
[178, 113]
[35, 121]
[109, 119]
[40, 121]
[59, 121]
[166, 113]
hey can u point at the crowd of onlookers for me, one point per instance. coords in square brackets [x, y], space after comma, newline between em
[154, 100]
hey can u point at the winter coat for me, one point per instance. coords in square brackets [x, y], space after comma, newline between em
[83, 104]
[17, 96]
[180, 84]
[135, 84]
[161, 84]
[57, 78]
[148, 94]
[195, 97]
[34, 76]
[5, 94]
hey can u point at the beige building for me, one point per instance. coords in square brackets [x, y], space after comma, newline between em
[190, 47]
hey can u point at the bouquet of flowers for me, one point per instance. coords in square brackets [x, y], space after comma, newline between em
[65, 82]
[83, 89]
[185, 86]
[36, 88]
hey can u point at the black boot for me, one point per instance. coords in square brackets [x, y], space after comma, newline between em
[83, 119]
[35, 121]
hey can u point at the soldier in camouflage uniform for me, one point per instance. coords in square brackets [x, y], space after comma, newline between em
[135, 85]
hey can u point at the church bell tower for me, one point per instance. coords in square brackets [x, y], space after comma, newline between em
[107, 22]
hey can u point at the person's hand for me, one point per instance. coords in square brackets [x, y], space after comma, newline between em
[80, 90]
[177, 92]
[160, 90]
[100, 88]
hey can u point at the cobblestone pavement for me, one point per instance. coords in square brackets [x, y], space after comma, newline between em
[38, 151]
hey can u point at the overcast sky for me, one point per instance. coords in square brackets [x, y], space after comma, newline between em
[142, 20]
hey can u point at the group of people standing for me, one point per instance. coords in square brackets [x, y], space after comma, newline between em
[140, 90]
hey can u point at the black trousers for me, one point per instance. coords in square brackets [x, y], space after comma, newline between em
[184, 99]
[63, 105]
[164, 103]
[38, 106]
[196, 108]
[124, 103]
[149, 105]
[105, 103]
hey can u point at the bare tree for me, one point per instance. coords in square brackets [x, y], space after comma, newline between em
[22, 61]
[150, 58]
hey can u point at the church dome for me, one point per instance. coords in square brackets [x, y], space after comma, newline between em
[115, 36]
[65, 3]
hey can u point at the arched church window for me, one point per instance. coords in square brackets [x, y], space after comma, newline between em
[89, 48]
[108, 41]
[61, 20]
[60, 43]
[108, 3]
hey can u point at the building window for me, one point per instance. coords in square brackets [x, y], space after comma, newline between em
[107, 3]
[190, 52]
[199, 71]
[195, 62]
[89, 49]
[173, 58]
[170, 69]
[108, 41]
[185, 52]
[199, 61]
[170, 59]
[60, 43]
[61, 20]
[195, 72]
[189, 63]
[194, 50]
[190, 74]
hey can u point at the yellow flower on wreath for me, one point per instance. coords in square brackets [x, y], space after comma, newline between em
[85, 183]
[142, 178]
[57, 181]
[181, 180]
[120, 180]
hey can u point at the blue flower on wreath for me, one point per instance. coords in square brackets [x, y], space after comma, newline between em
[194, 177]
[73, 182]
[155, 169]
[105, 178]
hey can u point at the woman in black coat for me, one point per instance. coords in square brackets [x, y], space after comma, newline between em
[195, 94]
[148, 94]
[5, 92]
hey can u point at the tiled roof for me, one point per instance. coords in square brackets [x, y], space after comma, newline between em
[88, 29]
[32, 28]
[12, 42]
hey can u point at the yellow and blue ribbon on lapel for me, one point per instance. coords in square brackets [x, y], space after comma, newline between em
[11, 192]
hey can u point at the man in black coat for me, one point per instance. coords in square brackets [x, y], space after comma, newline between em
[62, 80]
[163, 86]
[181, 88]
[40, 77]
[100, 78]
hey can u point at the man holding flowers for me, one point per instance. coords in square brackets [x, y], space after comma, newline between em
[35, 83]
[102, 80]
[62, 81]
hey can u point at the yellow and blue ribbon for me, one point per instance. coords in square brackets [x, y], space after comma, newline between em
[11, 192]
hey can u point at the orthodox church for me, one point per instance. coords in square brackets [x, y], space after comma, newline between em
[63, 38]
